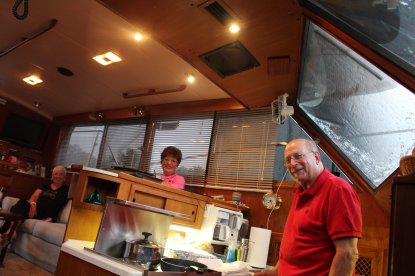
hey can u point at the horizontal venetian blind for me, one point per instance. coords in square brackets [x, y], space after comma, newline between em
[190, 133]
[122, 143]
[80, 145]
[241, 155]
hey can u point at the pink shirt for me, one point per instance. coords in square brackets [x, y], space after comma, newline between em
[174, 180]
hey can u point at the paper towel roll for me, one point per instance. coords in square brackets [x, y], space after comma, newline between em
[259, 239]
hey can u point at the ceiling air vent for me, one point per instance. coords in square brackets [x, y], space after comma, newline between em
[219, 13]
[230, 59]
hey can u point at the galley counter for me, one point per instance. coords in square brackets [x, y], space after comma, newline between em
[85, 218]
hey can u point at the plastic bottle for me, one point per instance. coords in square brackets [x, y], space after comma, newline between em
[244, 249]
[231, 255]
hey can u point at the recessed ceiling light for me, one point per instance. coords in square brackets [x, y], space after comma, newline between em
[190, 78]
[107, 58]
[138, 36]
[32, 80]
[234, 28]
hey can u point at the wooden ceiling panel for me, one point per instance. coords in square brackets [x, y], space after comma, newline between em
[268, 29]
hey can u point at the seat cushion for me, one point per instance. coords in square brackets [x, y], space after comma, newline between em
[64, 213]
[28, 225]
[50, 232]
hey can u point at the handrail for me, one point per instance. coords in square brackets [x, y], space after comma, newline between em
[30, 37]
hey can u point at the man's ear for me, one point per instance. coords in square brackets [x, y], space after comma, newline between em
[317, 156]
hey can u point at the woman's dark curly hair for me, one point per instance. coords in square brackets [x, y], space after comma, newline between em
[172, 151]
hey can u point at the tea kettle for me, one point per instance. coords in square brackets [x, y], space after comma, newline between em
[143, 251]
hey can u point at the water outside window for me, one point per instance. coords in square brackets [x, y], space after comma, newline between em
[368, 116]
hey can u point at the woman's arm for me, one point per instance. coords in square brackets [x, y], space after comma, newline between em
[33, 201]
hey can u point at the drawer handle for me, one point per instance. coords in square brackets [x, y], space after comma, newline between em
[193, 212]
[133, 199]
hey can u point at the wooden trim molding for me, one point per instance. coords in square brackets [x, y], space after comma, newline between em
[154, 110]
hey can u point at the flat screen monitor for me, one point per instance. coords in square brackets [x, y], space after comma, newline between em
[23, 131]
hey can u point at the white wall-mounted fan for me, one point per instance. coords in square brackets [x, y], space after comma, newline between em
[280, 109]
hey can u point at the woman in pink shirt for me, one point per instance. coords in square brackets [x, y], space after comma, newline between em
[170, 160]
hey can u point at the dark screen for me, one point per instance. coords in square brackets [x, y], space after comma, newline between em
[22, 131]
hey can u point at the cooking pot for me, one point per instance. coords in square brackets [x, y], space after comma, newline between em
[143, 251]
[180, 265]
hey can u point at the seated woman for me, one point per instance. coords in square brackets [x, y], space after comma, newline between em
[45, 203]
[170, 160]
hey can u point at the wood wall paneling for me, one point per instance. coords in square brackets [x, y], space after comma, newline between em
[155, 110]
[20, 185]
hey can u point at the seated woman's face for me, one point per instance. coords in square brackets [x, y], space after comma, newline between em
[169, 165]
[58, 176]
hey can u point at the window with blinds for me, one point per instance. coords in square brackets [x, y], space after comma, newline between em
[123, 142]
[102, 145]
[191, 134]
[241, 156]
[81, 145]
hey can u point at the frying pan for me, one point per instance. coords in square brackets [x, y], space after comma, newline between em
[180, 265]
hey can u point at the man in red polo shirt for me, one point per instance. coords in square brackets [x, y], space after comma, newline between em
[325, 220]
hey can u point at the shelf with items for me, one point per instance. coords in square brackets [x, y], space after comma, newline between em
[93, 189]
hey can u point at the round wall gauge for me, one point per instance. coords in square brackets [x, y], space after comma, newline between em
[271, 201]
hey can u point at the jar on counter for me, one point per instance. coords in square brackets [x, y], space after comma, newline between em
[244, 250]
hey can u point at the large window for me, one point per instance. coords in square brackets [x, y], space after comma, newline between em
[138, 145]
[80, 145]
[233, 149]
[103, 145]
[368, 116]
[123, 144]
[386, 26]
[241, 155]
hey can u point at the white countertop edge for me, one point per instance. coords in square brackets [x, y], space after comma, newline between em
[76, 248]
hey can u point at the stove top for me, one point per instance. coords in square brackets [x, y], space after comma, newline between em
[146, 272]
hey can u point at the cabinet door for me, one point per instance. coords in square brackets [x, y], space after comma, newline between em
[193, 209]
[148, 199]
[171, 201]
[402, 242]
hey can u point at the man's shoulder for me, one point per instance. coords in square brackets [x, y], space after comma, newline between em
[338, 182]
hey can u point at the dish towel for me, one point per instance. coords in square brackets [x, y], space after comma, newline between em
[237, 268]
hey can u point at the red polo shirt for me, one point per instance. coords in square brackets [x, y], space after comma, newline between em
[328, 210]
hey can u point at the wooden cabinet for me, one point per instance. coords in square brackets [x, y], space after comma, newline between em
[168, 198]
[20, 185]
[194, 208]
[85, 218]
[105, 185]
[402, 228]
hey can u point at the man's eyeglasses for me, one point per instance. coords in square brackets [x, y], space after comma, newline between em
[295, 157]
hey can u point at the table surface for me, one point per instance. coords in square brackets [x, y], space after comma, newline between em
[4, 243]
[6, 214]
